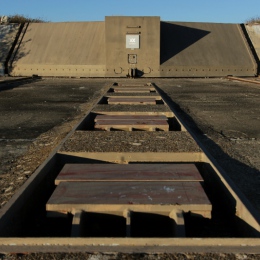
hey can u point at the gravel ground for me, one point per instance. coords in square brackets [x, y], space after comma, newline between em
[138, 141]
[130, 108]
[35, 116]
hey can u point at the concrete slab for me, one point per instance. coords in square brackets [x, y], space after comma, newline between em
[61, 49]
[204, 49]
[128, 172]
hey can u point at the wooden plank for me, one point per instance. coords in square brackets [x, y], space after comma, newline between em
[130, 117]
[129, 172]
[130, 101]
[133, 124]
[110, 196]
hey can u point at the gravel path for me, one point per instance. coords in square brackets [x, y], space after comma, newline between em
[138, 141]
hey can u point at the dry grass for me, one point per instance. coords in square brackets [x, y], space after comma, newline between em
[23, 19]
[254, 20]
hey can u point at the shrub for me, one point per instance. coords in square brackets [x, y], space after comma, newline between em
[23, 19]
[253, 20]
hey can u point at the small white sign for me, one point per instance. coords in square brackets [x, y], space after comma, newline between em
[132, 41]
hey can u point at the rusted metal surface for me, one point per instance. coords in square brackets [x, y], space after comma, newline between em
[129, 172]
[140, 196]
[130, 117]
[133, 90]
[131, 101]
[130, 125]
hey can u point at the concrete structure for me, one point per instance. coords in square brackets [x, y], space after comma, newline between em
[133, 46]
[253, 31]
[7, 37]
[60, 49]
[204, 49]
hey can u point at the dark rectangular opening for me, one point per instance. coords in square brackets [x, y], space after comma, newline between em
[151, 225]
[102, 225]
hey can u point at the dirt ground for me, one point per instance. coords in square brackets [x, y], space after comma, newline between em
[37, 114]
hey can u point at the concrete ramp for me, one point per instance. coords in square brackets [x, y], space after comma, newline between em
[61, 49]
[7, 37]
[254, 35]
[204, 49]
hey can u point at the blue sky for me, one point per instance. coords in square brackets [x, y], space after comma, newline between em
[219, 11]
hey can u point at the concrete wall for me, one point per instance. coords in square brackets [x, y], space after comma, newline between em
[7, 37]
[99, 49]
[254, 34]
[61, 49]
[147, 55]
[204, 49]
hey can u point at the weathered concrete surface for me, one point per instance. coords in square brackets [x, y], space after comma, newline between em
[31, 107]
[204, 49]
[61, 49]
[254, 34]
[148, 55]
[7, 36]
[166, 49]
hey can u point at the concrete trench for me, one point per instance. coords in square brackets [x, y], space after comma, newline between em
[99, 197]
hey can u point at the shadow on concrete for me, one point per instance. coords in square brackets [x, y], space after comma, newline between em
[229, 165]
[11, 83]
[176, 38]
[252, 48]
[17, 52]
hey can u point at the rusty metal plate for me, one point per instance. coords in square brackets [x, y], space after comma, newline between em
[129, 172]
[133, 124]
[68, 195]
[130, 100]
[134, 90]
[130, 117]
